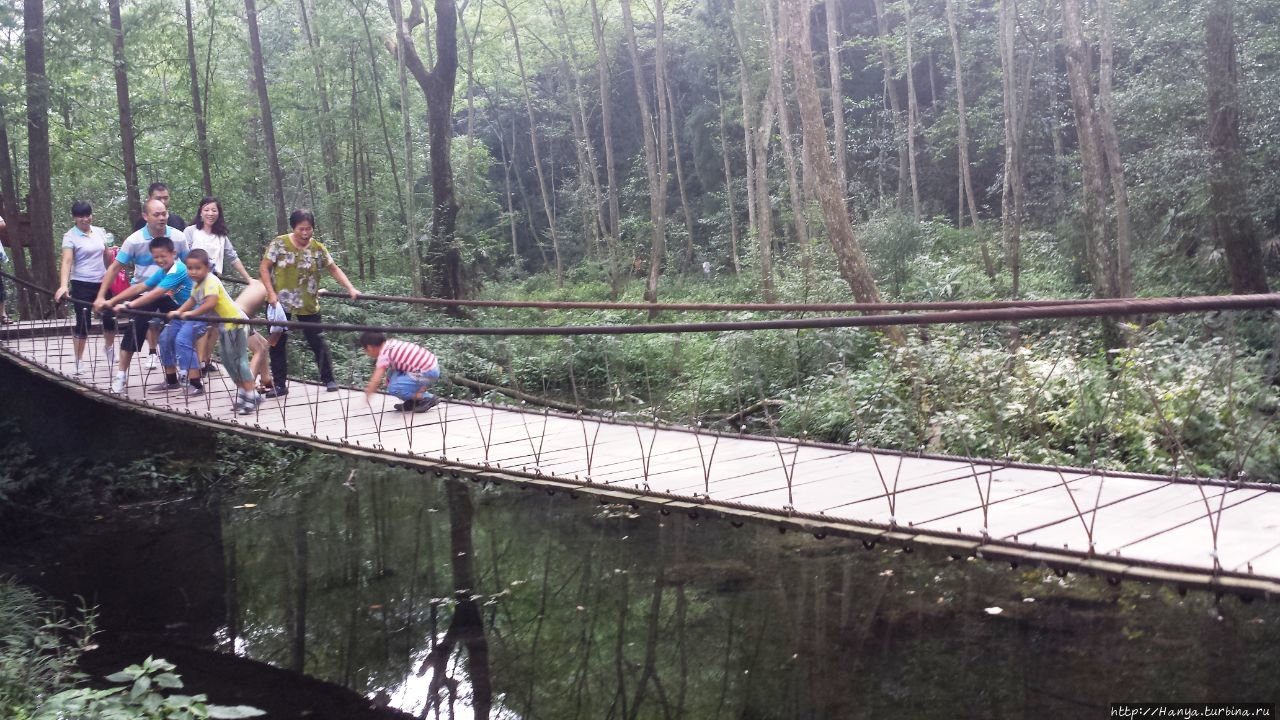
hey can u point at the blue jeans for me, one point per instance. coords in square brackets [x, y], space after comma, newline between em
[407, 385]
[178, 344]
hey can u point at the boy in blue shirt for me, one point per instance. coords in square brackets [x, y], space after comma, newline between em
[161, 291]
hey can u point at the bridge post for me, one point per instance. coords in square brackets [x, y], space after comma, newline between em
[58, 418]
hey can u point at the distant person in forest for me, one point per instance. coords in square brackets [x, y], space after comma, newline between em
[4, 258]
[410, 371]
[160, 191]
[209, 233]
[86, 254]
[210, 304]
[291, 269]
[136, 251]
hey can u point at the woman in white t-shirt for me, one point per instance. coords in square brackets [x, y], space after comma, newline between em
[85, 257]
[209, 233]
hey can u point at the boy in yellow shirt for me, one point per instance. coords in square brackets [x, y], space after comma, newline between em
[210, 302]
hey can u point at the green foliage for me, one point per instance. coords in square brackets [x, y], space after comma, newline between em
[140, 697]
[39, 646]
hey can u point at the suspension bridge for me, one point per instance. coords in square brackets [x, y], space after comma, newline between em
[1187, 532]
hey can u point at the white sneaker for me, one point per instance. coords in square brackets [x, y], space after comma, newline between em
[78, 371]
[109, 352]
[119, 382]
[152, 362]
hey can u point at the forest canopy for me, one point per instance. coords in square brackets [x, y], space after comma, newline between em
[628, 139]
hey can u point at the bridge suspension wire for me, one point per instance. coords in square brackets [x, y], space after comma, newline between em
[761, 459]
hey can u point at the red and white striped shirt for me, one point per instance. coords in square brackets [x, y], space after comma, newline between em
[405, 357]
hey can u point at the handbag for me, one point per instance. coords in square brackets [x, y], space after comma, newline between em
[121, 281]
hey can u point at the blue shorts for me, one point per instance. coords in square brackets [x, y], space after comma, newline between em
[408, 385]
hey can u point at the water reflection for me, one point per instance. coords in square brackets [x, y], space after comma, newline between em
[445, 599]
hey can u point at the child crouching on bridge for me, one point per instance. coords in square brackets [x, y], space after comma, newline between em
[210, 301]
[410, 369]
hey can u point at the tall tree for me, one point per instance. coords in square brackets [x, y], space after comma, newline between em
[1015, 79]
[798, 204]
[966, 193]
[1228, 195]
[606, 123]
[655, 140]
[132, 196]
[729, 192]
[835, 69]
[849, 255]
[9, 208]
[1092, 162]
[895, 105]
[197, 107]
[543, 191]
[1111, 150]
[437, 84]
[40, 199]
[328, 135]
[913, 112]
[274, 171]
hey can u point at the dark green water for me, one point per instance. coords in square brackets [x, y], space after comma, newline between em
[515, 604]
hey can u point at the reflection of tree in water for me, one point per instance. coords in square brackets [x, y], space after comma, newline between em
[467, 625]
[543, 607]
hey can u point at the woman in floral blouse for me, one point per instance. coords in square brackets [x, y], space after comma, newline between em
[291, 269]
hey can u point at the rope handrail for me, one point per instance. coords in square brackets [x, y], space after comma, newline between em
[712, 307]
[1096, 309]
[1099, 308]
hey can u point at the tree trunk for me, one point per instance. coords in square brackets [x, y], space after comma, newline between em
[730, 206]
[543, 190]
[400, 52]
[764, 200]
[1228, 194]
[1011, 186]
[355, 164]
[1091, 158]
[1111, 148]
[654, 143]
[443, 255]
[840, 139]
[798, 205]
[9, 208]
[382, 115]
[606, 121]
[268, 126]
[738, 22]
[197, 108]
[328, 134]
[40, 200]
[962, 145]
[130, 159]
[912, 113]
[684, 196]
[895, 106]
[586, 151]
[849, 255]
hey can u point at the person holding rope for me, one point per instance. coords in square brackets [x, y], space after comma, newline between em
[137, 250]
[291, 269]
[210, 304]
[86, 254]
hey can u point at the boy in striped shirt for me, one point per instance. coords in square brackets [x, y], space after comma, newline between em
[410, 369]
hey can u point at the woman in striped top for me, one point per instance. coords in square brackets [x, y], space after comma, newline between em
[409, 369]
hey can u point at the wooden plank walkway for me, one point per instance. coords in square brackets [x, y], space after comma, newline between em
[1157, 523]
